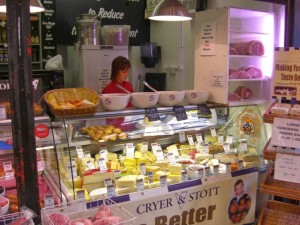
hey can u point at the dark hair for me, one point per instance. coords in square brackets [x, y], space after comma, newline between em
[238, 182]
[120, 63]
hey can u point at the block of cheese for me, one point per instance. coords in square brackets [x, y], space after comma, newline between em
[126, 181]
[115, 165]
[83, 161]
[227, 158]
[175, 178]
[125, 190]
[154, 184]
[162, 164]
[142, 160]
[200, 156]
[158, 174]
[152, 169]
[93, 186]
[128, 162]
[98, 193]
[175, 168]
[110, 156]
[137, 154]
[96, 177]
[77, 182]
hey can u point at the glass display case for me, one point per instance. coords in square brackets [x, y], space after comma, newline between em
[119, 148]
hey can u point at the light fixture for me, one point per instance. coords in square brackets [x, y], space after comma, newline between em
[170, 10]
[35, 6]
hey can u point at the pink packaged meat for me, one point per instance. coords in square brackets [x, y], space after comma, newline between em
[254, 47]
[59, 219]
[244, 92]
[112, 220]
[239, 74]
[254, 72]
[82, 221]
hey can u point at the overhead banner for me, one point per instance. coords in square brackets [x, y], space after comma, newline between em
[286, 82]
[222, 199]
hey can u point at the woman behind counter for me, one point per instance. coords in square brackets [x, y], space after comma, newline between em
[120, 67]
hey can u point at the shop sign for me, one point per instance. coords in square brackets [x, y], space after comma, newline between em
[287, 168]
[41, 131]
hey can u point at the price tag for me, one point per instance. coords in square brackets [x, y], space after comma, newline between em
[102, 165]
[205, 148]
[204, 110]
[163, 181]
[144, 147]
[48, 200]
[287, 168]
[7, 166]
[180, 113]
[226, 147]
[243, 146]
[213, 132]
[200, 173]
[9, 174]
[181, 137]
[103, 154]
[159, 155]
[228, 167]
[117, 174]
[184, 176]
[2, 112]
[142, 168]
[80, 195]
[140, 185]
[154, 148]
[220, 139]
[171, 158]
[197, 146]
[79, 151]
[216, 170]
[173, 149]
[87, 154]
[129, 150]
[90, 165]
[199, 138]
[190, 140]
[240, 165]
[152, 114]
[150, 177]
[207, 171]
[72, 168]
[111, 192]
[40, 165]
[229, 139]
[107, 182]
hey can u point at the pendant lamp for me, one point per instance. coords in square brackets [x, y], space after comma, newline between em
[170, 10]
[35, 6]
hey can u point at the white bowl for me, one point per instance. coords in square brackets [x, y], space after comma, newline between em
[170, 98]
[195, 97]
[4, 208]
[144, 100]
[114, 101]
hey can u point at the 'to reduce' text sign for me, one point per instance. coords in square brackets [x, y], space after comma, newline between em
[286, 132]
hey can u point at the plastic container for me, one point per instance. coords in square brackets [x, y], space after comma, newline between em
[88, 29]
[117, 35]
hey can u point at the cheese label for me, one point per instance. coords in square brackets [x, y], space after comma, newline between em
[173, 149]
[107, 182]
[190, 140]
[48, 200]
[184, 176]
[181, 137]
[163, 181]
[228, 167]
[90, 165]
[79, 151]
[207, 171]
[117, 174]
[111, 192]
[229, 138]
[226, 147]
[7, 166]
[221, 139]
[159, 155]
[87, 154]
[205, 149]
[150, 177]
[240, 165]
[103, 154]
[142, 168]
[72, 168]
[129, 150]
[154, 148]
[140, 185]
[197, 146]
[200, 173]
[102, 165]
[2, 112]
[243, 146]
[9, 174]
[144, 147]
[199, 138]
[216, 170]
[171, 158]
[80, 195]
[213, 132]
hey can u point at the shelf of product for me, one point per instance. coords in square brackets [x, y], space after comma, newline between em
[270, 151]
[282, 110]
[275, 212]
[125, 147]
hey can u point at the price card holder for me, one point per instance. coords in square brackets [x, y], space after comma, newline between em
[287, 168]
[48, 200]
[199, 138]
[154, 148]
[229, 139]
[103, 154]
[190, 140]
[72, 168]
[228, 167]
[40, 165]
[150, 177]
[181, 137]
[129, 150]
[243, 146]
[171, 158]
[152, 114]
[197, 146]
[204, 111]
[205, 148]
[163, 181]
[7, 166]
[2, 112]
[220, 138]
[90, 165]
[111, 192]
[79, 151]
[207, 171]
[107, 182]
[200, 173]
[159, 155]
[240, 165]
[102, 165]
[184, 176]
[213, 132]
[144, 147]
[216, 170]
[87, 154]
[142, 169]
[180, 113]
[140, 185]
[80, 195]
[227, 149]
[117, 174]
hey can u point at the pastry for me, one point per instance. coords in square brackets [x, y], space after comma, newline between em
[280, 108]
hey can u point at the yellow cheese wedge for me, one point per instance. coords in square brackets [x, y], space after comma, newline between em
[126, 181]
[162, 164]
[97, 177]
[175, 178]
[175, 168]
[115, 166]
[142, 160]
[77, 182]
[152, 169]
[137, 154]
[128, 162]
[93, 186]
[158, 174]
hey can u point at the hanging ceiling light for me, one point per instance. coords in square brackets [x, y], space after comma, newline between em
[170, 10]
[35, 6]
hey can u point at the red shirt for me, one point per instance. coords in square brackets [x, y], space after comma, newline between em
[111, 88]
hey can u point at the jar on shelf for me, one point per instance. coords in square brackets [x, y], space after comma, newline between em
[88, 29]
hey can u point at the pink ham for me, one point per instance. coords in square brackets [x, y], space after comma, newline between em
[112, 220]
[238, 74]
[59, 219]
[232, 97]
[233, 51]
[21, 221]
[254, 72]
[83, 221]
[244, 92]
[253, 47]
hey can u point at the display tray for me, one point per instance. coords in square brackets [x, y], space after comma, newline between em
[269, 151]
[14, 217]
[279, 213]
[280, 188]
[268, 117]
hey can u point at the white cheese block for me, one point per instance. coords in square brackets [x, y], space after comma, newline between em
[98, 193]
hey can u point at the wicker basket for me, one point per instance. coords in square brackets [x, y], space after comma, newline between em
[56, 98]
[268, 117]
[270, 152]
[279, 213]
